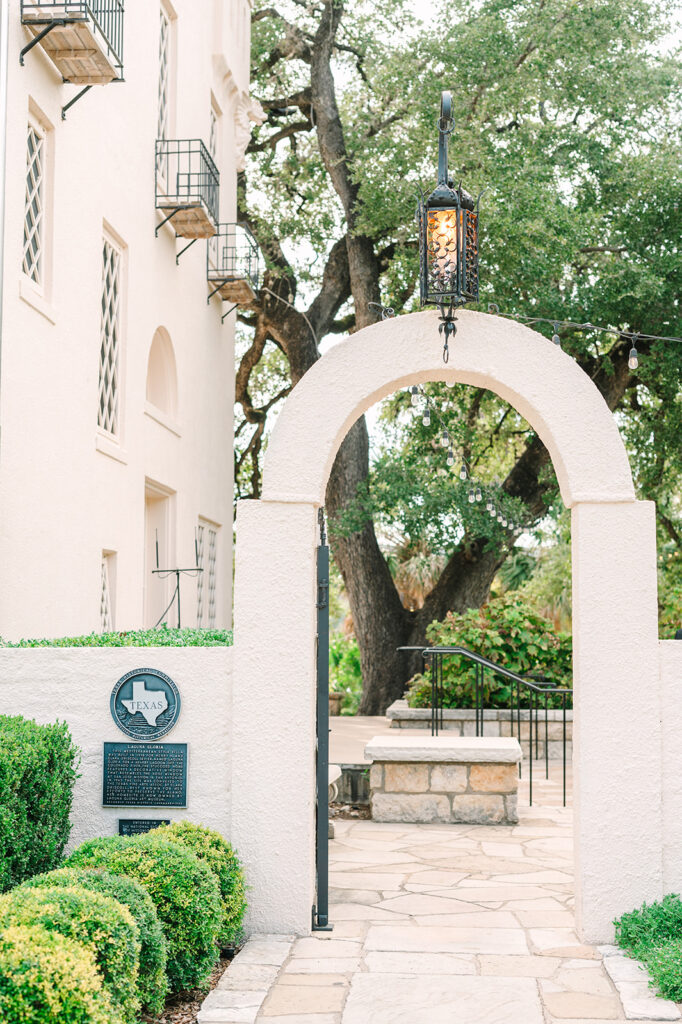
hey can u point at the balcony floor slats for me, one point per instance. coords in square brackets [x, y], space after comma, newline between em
[238, 291]
[194, 222]
[75, 51]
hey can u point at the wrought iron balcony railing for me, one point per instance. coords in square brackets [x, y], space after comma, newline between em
[232, 264]
[187, 187]
[83, 38]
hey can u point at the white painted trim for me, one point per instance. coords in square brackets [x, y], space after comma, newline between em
[35, 298]
[108, 445]
[161, 417]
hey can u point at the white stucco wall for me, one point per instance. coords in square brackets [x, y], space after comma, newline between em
[74, 685]
[671, 720]
[67, 494]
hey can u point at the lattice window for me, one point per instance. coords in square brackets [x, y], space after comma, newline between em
[213, 135]
[34, 206]
[107, 417]
[200, 576]
[105, 616]
[164, 86]
[207, 558]
[212, 555]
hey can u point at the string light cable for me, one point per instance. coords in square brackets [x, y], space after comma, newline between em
[634, 336]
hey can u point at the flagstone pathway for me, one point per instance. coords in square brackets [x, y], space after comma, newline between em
[450, 924]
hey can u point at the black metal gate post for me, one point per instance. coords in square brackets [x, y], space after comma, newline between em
[321, 909]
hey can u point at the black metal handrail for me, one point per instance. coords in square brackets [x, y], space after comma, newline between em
[106, 16]
[186, 175]
[232, 254]
[535, 692]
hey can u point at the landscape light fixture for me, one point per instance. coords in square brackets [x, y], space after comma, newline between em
[448, 239]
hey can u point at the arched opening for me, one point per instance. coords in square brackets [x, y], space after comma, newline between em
[162, 378]
[616, 678]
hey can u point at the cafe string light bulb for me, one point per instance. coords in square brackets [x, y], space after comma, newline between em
[451, 458]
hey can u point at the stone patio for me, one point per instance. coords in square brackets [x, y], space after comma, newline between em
[452, 924]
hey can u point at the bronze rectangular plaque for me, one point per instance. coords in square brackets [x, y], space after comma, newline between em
[145, 775]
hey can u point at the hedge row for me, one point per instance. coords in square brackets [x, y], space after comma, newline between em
[161, 637]
[129, 918]
[38, 769]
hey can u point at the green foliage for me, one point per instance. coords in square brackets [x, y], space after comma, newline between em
[152, 983]
[665, 967]
[38, 769]
[98, 922]
[345, 672]
[670, 590]
[505, 631]
[161, 637]
[218, 855]
[47, 978]
[184, 892]
[653, 934]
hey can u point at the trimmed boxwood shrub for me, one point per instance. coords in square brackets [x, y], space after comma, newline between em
[38, 769]
[98, 922]
[152, 982]
[46, 977]
[216, 852]
[183, 890]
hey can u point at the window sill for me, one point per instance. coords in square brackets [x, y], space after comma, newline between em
[161, 417]
[33, 298]
[106, 444]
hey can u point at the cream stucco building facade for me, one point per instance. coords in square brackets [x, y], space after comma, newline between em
[117, 374]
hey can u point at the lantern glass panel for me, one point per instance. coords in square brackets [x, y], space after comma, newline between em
[445, 233]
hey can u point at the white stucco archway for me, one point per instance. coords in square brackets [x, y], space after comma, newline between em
[617, 801]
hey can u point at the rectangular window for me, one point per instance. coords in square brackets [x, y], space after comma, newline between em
[110, 339]
[163, 98]
[106, 604]
[207, 557]
[34, 207]
[213, 134]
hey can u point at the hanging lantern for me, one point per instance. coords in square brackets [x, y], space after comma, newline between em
[448, 238]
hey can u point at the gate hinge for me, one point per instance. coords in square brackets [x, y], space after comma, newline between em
[322, 594]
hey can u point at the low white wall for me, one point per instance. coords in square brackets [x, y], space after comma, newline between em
[74, 685]
[671, 783]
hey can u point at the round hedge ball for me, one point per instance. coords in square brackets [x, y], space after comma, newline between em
[98, 922]
[183, 890]
[210, 847]
[152, 982]
[46, 977]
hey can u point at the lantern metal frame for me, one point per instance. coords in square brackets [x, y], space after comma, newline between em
[448, 261]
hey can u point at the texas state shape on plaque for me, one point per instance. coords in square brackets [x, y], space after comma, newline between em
[148, 703]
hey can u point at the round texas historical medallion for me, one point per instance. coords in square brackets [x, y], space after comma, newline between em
[145, 704]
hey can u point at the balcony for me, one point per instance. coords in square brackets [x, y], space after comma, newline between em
[187, 184]
[232, 264]
[82, 38]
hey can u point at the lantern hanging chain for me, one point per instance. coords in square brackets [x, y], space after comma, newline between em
[476, 492]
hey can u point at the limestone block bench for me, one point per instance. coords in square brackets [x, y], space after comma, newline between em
[444, 779]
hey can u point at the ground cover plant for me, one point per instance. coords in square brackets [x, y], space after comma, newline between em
[161, 637]
[99, 923]
[152, 983]
[506, 631]
[184, 891]
[38, 770]
[653, 934]
[47, 977]
[210, 847]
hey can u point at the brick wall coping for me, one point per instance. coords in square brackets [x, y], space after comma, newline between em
[457, 749]
[400, 710]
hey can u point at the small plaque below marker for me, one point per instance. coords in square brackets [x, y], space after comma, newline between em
[138, 826]
[145, 775]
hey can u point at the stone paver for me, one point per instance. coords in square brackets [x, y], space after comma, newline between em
[445, 924]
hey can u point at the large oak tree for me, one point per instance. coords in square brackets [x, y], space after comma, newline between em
[566, 112]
